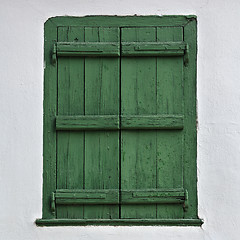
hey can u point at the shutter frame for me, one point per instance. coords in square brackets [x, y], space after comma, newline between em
[189, 25]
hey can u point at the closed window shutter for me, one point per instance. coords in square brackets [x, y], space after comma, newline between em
[88, 104]
[147, 110]
[120, 121]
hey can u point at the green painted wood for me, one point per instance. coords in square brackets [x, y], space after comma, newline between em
[122, 21]
[190, 119]
[50, 110]
[119, 222]
[150, 86]
[88, 49]
[152, 159]
[101, 98]
[153, 49]
[70, 145]
[152, 122]
[153, 196]
[94, 122]
[170, 101]
[80, 197]
[138, 97]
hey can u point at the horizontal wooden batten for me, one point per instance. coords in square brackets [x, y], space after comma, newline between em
[153, 196]
[152, 122]
[71, 197]
[117, 222]
[153, 48]
[91, 49]
[89, 122]
[114, 122]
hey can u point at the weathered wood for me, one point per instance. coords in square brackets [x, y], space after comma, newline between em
[147, 84]
[93, 122]
[157, 85]
[90, 49]
[190, 120]
[70, 145]
[80, 197]
[153, 196]
[101, 98]
[170, 101]
[138, 148]
[50, 111]
[122, 21]
[121, 222]
[153, 48]
[152, 122]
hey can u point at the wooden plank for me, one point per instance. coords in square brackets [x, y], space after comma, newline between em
[170, 75]
[101, 98]
[153, 196]
[50, 111]
[94, 122]
[190, 119]
[153, 49]
[152, 122]
[88, 49]
[169, 101]
[124, 21]
[70, 149]
[120, 222]
[86, 197]
[138, 148]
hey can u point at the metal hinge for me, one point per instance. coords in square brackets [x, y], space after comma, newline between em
[185, 205]
[54, 54]
[186, 56]
[53, 204]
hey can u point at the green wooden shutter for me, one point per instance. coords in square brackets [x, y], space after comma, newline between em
[120, 121]
[88, 102]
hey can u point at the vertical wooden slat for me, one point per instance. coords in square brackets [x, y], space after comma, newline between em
[70, 145]
[190, 132]
[170, 74]
[169, 101]
[138, 94]
[101, 147]
[50, 108]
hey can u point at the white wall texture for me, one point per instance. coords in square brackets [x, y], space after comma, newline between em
[21, 108]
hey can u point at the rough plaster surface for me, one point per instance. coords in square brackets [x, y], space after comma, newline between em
[21, 97]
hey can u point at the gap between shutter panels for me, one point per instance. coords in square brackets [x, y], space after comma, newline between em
[79, 123]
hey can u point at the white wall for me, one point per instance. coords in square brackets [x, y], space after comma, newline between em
[21, 97]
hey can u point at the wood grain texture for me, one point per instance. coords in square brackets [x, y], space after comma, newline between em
[101, 98]
[169, 101]
[119, 222]
[88, 49]
[86, 197]
[153, 196]
[50, 111]
[152, 122]
[122, 21]
[153, 49]
[155, 157]
[94, 122]
[151, 159]
[190, 119]
[70, 145]
[138, 88]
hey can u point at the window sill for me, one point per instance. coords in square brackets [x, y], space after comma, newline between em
[119, 222]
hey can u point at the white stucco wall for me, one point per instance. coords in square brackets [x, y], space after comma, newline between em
[21, 97]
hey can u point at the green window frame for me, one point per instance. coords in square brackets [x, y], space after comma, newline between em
[120, 149]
